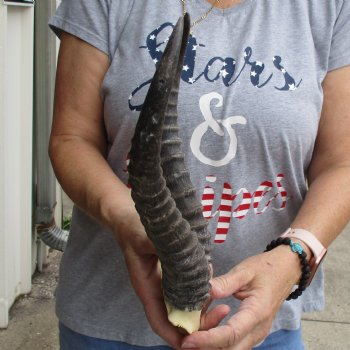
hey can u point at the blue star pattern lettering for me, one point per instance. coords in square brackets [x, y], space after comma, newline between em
[224, 68]
[289, 81]
[187, 74]
[257, 67]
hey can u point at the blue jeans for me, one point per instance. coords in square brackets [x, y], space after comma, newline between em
[283, 340]
[70, 340]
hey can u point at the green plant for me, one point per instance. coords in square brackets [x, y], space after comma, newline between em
[66, 222]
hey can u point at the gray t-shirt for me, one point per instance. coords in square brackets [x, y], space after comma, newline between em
[249, 107]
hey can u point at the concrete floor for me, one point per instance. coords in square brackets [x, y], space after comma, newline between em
[33, 325]
[330, 329]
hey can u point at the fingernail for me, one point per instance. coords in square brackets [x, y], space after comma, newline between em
[187, 346]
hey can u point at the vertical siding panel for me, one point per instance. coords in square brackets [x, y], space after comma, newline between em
[16, 114]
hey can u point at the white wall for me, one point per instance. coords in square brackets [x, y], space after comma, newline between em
[16, 116]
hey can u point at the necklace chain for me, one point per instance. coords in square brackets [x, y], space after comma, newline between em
[203, 16]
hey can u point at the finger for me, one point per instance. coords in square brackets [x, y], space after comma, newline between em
[237, 328]
[153, 301]
[218, 337]
[246, 344]
[230, 283]
[151, 276]
[213, 317]
[157, 317]
[254, 338]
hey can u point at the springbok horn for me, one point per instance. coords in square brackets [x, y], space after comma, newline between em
[163, 193]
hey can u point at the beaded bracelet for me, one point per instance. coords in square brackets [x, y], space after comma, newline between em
[296, 248]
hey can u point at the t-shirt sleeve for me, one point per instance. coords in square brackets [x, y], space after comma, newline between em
[85, 19]
[340, 46]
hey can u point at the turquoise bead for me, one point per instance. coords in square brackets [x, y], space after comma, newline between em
[296, 248]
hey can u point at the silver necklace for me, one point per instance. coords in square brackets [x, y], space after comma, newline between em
[203, 16]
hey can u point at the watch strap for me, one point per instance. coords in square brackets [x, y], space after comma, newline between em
[318, 250]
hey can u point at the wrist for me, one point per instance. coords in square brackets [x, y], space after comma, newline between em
[310, 241]
[290, 262]
[117, 210]
[126, 226]
[298, 251]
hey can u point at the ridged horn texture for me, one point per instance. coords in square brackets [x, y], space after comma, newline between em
[161, 187]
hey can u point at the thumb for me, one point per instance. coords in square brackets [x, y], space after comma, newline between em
[230, 283]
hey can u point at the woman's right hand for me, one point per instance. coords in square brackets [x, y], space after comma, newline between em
[143, 266]
[142, 263]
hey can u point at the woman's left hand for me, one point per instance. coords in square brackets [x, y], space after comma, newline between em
[262, 283]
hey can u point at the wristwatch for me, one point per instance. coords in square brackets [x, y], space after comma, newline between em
[318, 250]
